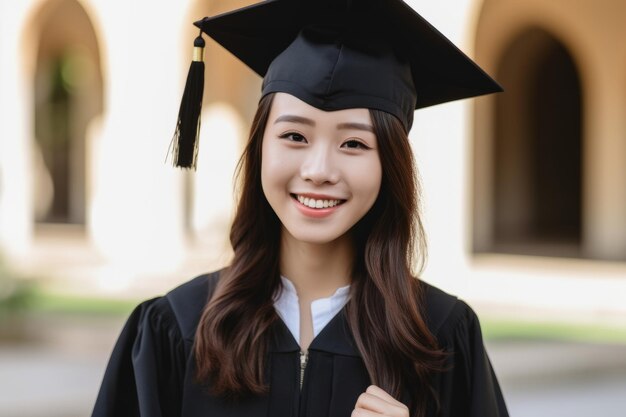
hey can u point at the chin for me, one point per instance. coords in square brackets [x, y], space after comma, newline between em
[314, 235]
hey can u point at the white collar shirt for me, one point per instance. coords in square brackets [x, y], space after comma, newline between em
[322, 309]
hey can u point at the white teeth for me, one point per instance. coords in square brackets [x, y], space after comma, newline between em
[312, 203]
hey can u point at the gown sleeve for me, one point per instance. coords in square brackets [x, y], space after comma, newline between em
[468, 386]
[145, 373]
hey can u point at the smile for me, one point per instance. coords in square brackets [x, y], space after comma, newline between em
[313, 203]
[316, 203]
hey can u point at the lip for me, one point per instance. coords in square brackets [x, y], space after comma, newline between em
[318, 196]
[315, 213]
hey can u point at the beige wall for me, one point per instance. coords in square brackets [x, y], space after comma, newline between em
[591, 32]
[587, 288]
[134, 227]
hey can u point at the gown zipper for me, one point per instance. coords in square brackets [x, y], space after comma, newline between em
[304, 356]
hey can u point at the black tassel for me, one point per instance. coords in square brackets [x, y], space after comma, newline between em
[184, 146]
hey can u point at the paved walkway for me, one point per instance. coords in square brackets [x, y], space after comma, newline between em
[58, 373]
[553, 379]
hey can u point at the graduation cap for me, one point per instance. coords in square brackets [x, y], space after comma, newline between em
[333, 55]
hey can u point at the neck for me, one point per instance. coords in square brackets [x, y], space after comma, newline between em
[316, 270]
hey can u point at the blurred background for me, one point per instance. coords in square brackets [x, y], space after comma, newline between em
[524, 193]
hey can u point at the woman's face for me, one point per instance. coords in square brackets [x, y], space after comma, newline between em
[320, 170]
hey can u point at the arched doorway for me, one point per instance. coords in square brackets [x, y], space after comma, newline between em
[68, 91]
[231, 93]
[537, 151]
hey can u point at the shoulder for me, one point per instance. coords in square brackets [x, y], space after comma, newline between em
[187, 301]
[445, 313]
[467, 384]
[147, 367]
[174, 315]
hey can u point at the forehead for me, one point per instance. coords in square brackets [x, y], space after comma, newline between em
[286, 104]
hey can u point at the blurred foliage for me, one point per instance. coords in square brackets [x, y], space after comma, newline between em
[16, 293]
[46, 302]
[523, 330]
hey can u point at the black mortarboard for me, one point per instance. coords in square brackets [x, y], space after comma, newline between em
[338, 54]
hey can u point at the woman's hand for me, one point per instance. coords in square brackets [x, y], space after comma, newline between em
[375, 402]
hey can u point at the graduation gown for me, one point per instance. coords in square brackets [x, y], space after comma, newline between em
[150, 372]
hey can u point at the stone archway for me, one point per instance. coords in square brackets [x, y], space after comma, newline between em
[231, 93]
[68, 94]
[537, 153]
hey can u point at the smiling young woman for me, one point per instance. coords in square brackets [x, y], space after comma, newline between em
[370, 246]
[319, 313]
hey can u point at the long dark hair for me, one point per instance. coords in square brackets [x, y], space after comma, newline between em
[384, 310]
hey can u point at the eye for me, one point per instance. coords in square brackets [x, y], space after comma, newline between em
[293, 136]
[354, 144]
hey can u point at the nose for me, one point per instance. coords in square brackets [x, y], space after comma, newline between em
[319, 167]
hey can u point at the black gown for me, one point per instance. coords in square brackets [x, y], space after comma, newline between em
[150, 372]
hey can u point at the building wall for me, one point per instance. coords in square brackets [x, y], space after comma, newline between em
[590, 32]
[592, 282]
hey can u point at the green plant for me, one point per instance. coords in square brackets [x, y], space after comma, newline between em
[15, 292]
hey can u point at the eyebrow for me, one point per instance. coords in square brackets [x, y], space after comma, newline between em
[342, 126]
[357, 126]
[294, 119]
